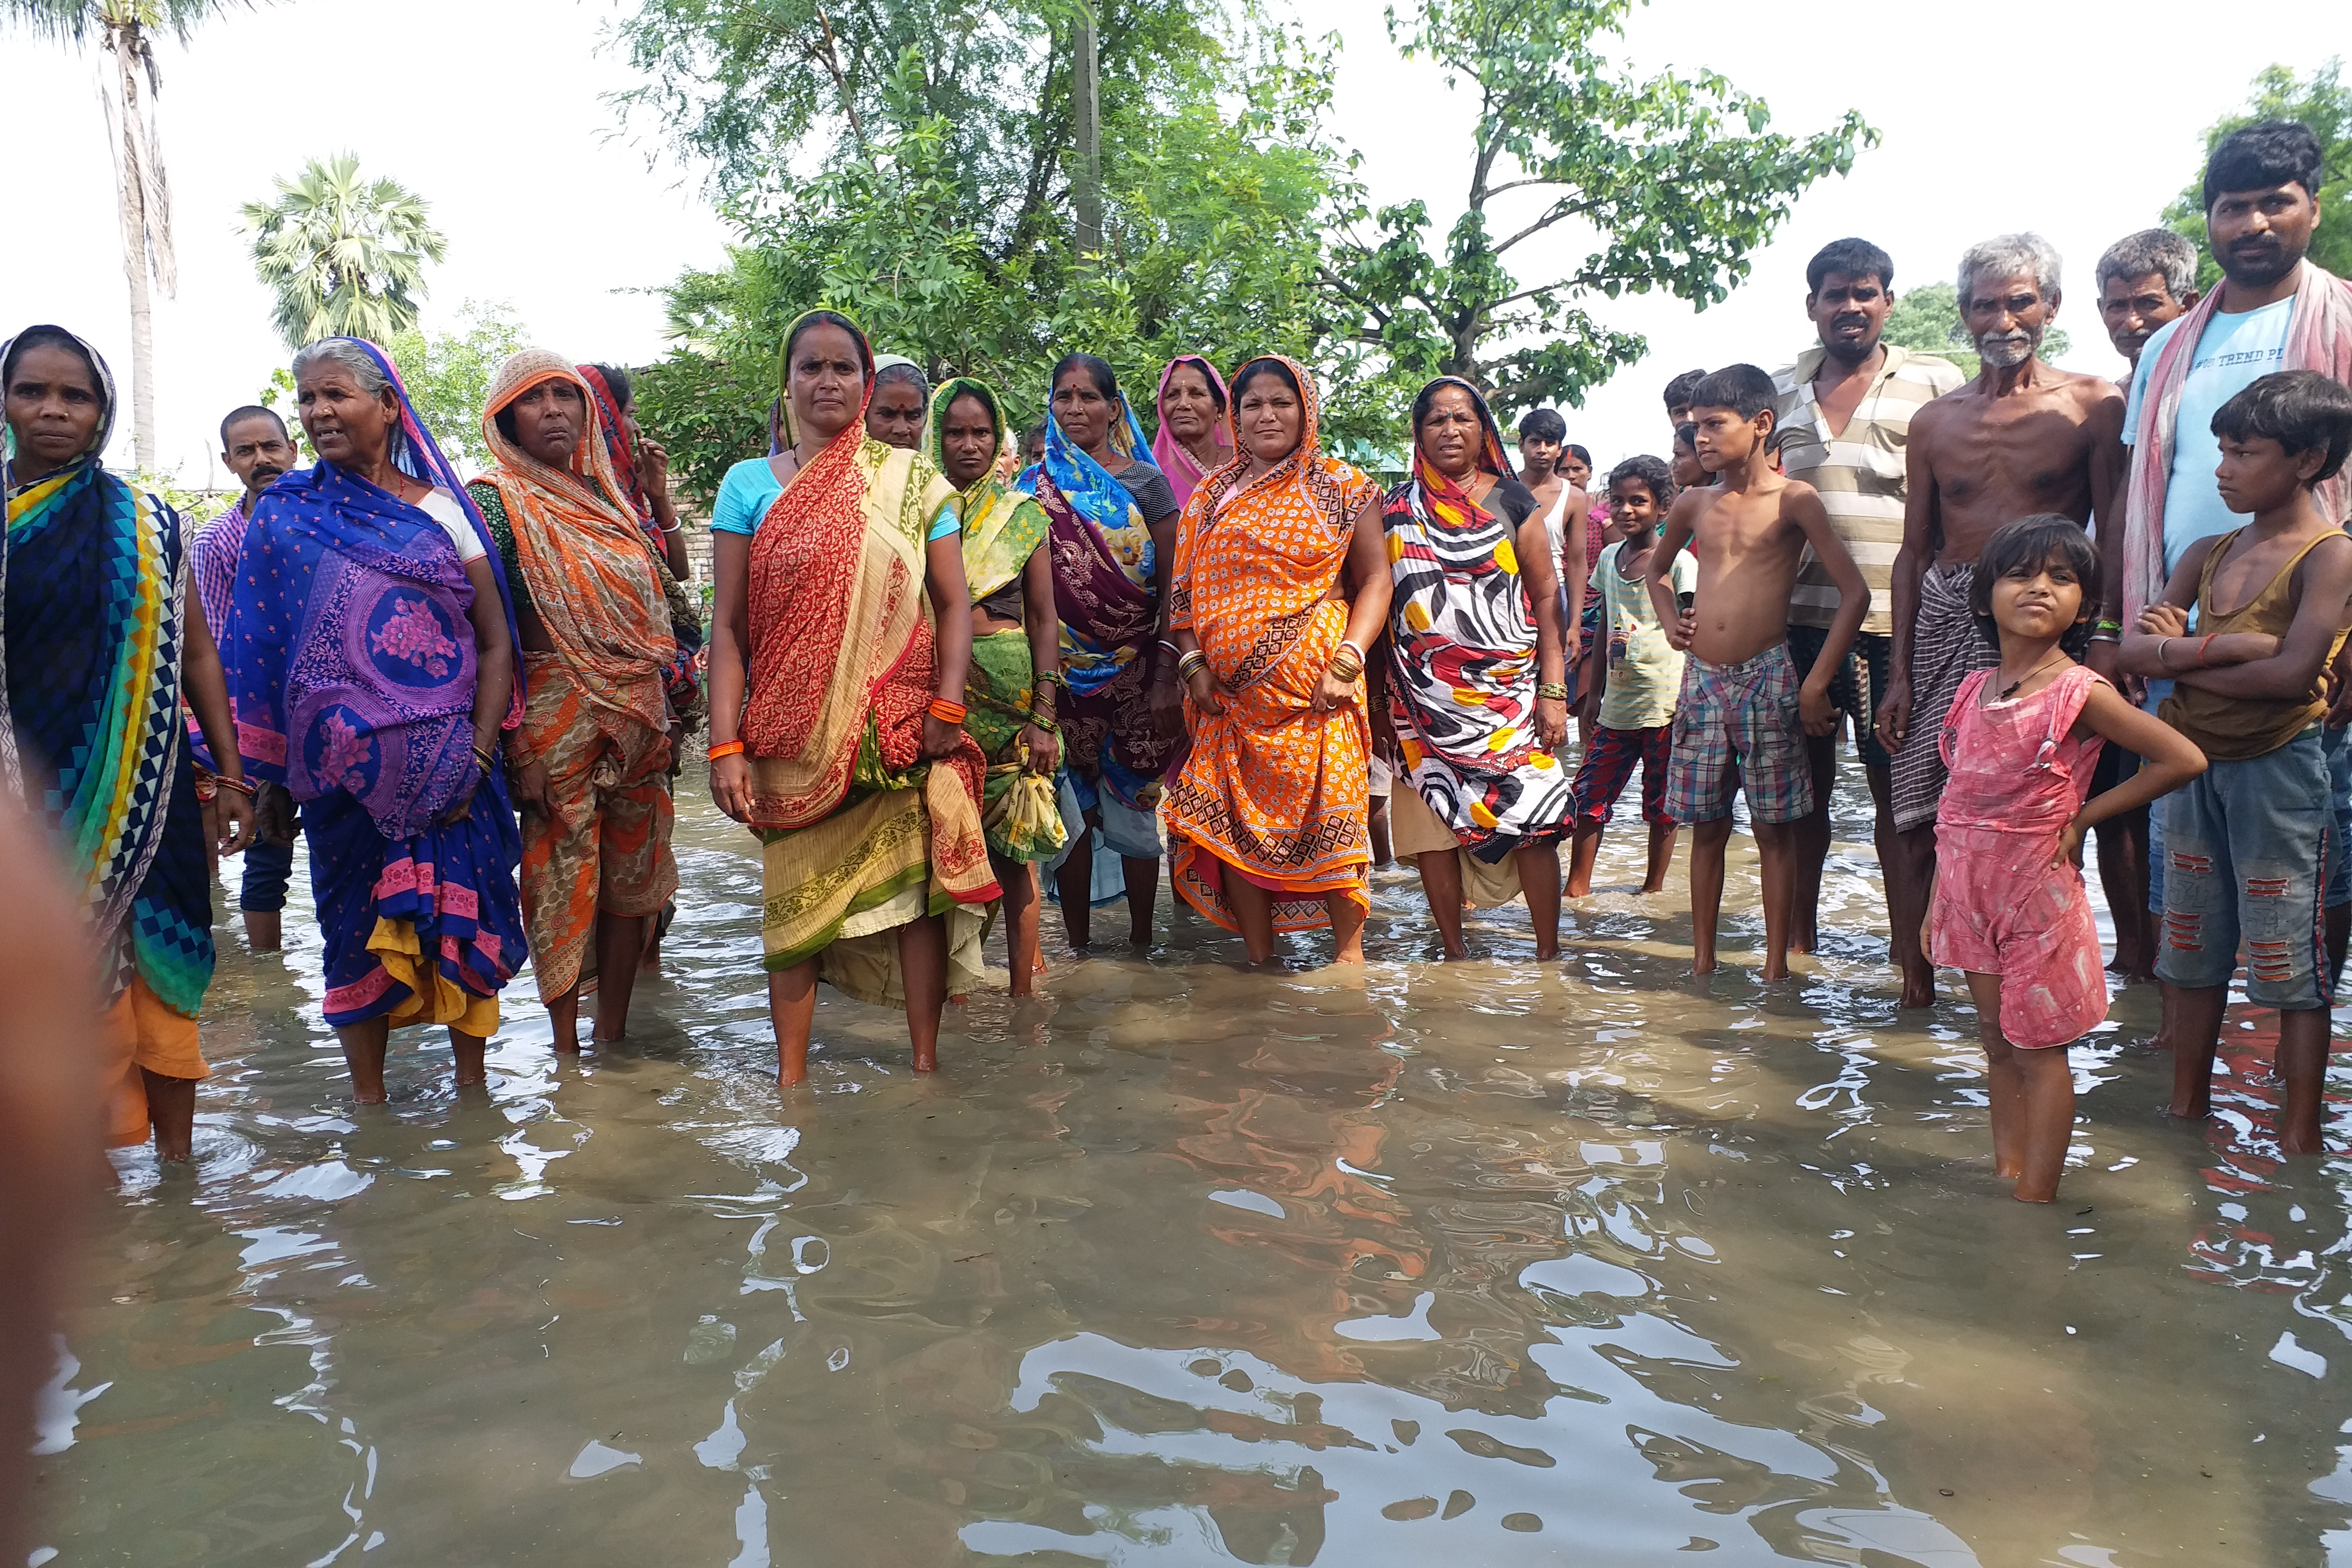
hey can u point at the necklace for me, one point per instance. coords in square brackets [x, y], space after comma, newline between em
[2010, 690]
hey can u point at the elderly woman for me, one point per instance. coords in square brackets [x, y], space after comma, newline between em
[1015, 681]
[1194, 437]
[1280, 585]
[1113, 528]
[373, 662]
[839, 651]
[106, 641]
[895, 414]
[1477, 660]
[588, 765]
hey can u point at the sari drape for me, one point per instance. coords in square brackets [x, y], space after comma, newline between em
[863, 833]
[350, 662]
[597, 716]
[1175, 459]
[682, 675]
[1462, 661]
[1002, 528]
[1273, 790]
[96, 577]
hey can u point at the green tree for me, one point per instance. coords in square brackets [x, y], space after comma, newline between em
[2324, 103]
[1926, 320]
[126, 29]
[1671, 181]
[448, 375]
[345, 256]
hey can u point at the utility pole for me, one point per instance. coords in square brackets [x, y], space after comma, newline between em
[1085, 89]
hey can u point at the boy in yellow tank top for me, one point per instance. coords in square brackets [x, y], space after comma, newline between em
[2246, 845]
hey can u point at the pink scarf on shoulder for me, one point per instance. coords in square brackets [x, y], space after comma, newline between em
[2318, 337]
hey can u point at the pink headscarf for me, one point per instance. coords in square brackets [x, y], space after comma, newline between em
[1174, 461]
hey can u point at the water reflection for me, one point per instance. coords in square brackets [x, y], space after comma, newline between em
[1183, 1264]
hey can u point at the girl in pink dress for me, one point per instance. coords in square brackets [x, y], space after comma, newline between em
[2009, 907]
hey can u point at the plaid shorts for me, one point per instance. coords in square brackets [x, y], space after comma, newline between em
[1608, 766]
[1736, 727]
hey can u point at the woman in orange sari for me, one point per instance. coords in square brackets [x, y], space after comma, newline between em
[1281, 583]
[838, 654]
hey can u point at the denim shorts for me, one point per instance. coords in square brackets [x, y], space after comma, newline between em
[2247, 849]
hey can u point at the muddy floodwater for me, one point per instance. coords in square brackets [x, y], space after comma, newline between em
[1468, 1265]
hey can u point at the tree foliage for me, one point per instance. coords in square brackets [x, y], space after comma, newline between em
[1926, 320]
[448, 375]
[345, 256]
[2323, 103]
[1666, 183]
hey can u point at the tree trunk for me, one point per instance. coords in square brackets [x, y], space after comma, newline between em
[1086, 92]
[131, 187]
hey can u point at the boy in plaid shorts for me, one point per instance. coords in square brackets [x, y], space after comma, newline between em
[1742, 718]
[1630, 676]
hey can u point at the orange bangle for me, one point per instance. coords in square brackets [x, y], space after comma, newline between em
[2202, 647]
[727, 749]
[948, 712]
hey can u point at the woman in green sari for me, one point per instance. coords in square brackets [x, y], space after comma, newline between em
[1015, 672]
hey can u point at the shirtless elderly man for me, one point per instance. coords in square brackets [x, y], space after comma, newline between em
[2021, 438]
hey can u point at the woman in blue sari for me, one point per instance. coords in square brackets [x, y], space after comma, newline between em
[371, 655]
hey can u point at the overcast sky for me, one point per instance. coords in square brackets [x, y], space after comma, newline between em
[2080, 120]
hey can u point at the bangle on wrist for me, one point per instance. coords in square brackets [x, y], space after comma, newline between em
[2161, 644]
[947, 712]
[726, 748]
[2202, 647]
[1557, 690]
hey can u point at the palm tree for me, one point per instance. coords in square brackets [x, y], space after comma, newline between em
[345, 256]
[125, 27]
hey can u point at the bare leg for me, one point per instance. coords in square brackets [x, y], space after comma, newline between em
[2047, 1121]
[1253, 908]
[1707, 842]
[1346, 928]
[363, 1046]
[923, 966]
[466, 1050]
[2196, 1036]
[1777, 859]
[2302, 1061]
[1539, 881]
[791, 1008]
[1810, 838]
[1662, 856]
[171, 1112]
[619, 940]
[1584, 851]
[563, 1017]
[1378, 825]
[1441, 883]
[264, 929]
[2123, 877]
[1142, 896]
[1021, 937]
[1075, 882]
[1908, 876]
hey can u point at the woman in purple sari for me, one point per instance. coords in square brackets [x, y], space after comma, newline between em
[372, 656]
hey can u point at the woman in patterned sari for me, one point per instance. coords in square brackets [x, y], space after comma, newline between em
[372, 656]
[1280, 585]
[1476, 681]
[838, 657]
[1015, 681]
[1113, 529]
[105, 638]
[590, 765]
[1194, 437]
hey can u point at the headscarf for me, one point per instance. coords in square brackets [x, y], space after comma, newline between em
[1002, 527]
[586, 558]
[1463, 646]
[2318, 337]
[351, 650]
[102, 570]
[620, 446]
[1103, 556]
[1174, 459]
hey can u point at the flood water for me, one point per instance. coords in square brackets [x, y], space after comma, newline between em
[1486, 1264]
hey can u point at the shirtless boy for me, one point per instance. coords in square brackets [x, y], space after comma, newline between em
[2021, 440]
[1742, 718]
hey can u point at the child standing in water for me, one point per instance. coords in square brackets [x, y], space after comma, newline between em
[2007, 905]
[1632, 675]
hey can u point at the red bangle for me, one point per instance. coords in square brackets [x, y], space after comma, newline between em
[727, 749]
[2203, 646]
[948, 712]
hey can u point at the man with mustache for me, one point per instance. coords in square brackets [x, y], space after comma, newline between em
[1845, 410]
[2022, 441]
[2273, 311]
[255, 448]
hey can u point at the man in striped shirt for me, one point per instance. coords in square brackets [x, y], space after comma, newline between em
[1844, 425]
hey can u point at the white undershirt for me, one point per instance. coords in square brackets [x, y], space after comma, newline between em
[443, 508]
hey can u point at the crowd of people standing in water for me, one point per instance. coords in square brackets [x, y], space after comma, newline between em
[940, 672]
